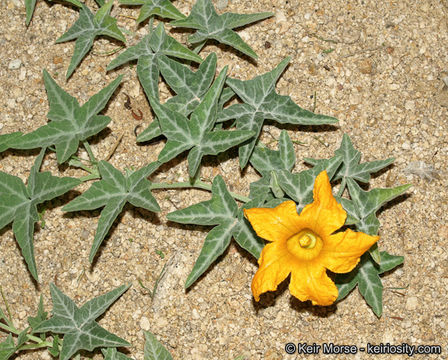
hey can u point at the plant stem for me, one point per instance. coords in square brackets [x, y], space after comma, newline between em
[89, 152]
[195, 185]
[39, 341]
[342, 187]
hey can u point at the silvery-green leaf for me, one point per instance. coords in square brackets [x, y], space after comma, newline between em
[151, 132]
[154, 350]
[299, 187]
[261, 102]
[86, 29]
[81, 332]
[210, 25]
[146, 52]
[189, 86]
[162, 8]
[113, 192]
[41, 316]
[6, 138]
[7, 348]
[29, 7]
[31, 4]
[196, 134]
[70, 124]
[366, 276]
[215, 243]
[113, 354]
[365, 204]
[265, 160]
[223, 211]
[18, 204]
[351, 167]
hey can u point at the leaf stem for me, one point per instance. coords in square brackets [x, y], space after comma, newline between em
[93, 160]
[342, 187]
[198, 184]
[30, 337]
[9, 321]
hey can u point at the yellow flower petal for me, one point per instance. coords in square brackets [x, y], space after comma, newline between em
[305, 246]
[342, 251]
[274, 268]
[310, 282]
[275, 224]
[325, 215]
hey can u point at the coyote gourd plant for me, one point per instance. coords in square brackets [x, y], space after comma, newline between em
[199, 120]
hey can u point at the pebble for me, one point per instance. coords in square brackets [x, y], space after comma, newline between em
[411, 303]
[409, 105]
[14, 64]
[22, 74]
[365, 66]
[144, 323]
[11, 103]
[406, 145]
[195, 314]
[222, 4]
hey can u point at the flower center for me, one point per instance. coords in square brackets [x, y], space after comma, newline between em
[305, 245]
[308, 240]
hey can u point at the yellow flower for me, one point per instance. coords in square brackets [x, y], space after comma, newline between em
[305, 246]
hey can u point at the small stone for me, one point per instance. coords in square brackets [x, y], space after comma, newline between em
[11, 103]
[1, 126]
[22, 315]
[411, 303]
[406, 145]
[394, 87]
[14, 64]
[22, 74]
[409, 105]
[442, 97]
[222, 4]
[365, 66]
[84, 234]
[96, 78]
[144, 323]
[443, 231]
[195, 314]
[57, 60]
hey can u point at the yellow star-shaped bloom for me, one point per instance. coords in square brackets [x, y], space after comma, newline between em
[306, 245]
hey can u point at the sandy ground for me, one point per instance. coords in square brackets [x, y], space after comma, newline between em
[378, 66]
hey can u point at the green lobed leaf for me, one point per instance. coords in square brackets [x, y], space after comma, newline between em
[366, 276]
[113, 192]
[364, 204]
[113, 354]
[7, 348]
[221, 210]
[147, 51]
[6, 138]
[210, 25]
[189, 86]
[70, 124]
[154, 350]
[265, 160]
[261, 102]
[18, 204]
[40, 317]
[78, 325]
[86, 29]
[299, 187]
[29, 7]
[351, 167]
[162, 8]
[196, 134]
